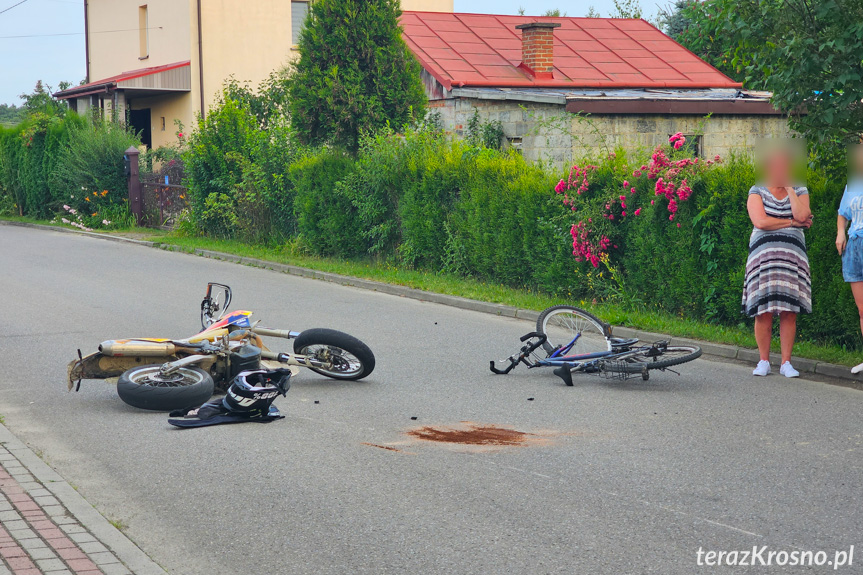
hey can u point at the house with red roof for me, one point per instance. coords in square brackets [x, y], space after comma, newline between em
[564, 87]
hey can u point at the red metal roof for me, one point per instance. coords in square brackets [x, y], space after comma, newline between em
[93, 87]
[485, 50]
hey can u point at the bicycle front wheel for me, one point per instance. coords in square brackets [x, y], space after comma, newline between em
[658, 358]
[562, 324]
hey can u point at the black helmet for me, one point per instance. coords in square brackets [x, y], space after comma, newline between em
[252, 392]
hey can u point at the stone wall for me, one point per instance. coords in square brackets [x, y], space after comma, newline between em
[540, 131]
[547, 133]
[719, 134]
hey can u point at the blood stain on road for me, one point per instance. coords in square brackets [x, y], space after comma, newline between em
[476, 434]
[387, 447]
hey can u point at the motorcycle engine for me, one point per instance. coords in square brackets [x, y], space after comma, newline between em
[244, 358]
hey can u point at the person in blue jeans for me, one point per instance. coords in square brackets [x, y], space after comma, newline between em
[851, 248]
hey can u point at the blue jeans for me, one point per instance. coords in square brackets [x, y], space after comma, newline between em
[852, 261]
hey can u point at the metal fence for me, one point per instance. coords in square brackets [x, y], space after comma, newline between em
[163, 200]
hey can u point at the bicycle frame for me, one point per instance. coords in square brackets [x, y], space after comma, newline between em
[567, 364]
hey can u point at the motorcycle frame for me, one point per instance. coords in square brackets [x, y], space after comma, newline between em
[117, 356]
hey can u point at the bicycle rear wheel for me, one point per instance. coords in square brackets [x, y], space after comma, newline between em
[563, 323]
[658, 358]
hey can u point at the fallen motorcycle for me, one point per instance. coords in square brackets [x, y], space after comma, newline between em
[168, 374]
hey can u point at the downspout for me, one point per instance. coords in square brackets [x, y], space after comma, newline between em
[87, 38]
[201, 62]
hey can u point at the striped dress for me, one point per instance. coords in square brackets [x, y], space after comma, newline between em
[777, 270]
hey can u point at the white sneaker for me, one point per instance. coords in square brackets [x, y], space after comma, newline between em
[788, 371]
[857, 368]
[762, 369]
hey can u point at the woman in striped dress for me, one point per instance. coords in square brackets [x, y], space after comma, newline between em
[777, 271]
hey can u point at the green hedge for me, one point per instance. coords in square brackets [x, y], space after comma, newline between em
[48, 162]
[421, 200]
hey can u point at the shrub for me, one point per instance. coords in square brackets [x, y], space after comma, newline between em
[326, 219]
[48, 161]
[89, 174]
[355, 73]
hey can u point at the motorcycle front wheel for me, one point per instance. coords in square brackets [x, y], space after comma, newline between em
[145, 387]
[351, 359]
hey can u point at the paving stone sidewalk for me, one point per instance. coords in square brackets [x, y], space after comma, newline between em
[46, 527]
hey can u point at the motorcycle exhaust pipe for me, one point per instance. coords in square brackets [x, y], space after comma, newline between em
[283, 333]
[125, 347]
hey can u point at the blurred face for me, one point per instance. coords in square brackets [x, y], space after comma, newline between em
[777, 168]
[855, 162]
[780, 163]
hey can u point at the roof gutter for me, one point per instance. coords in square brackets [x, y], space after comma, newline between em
[87, 39]
[560, 100]
[592, 84]
[85, 91]
[201, 61]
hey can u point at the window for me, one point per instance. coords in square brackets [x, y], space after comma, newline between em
[694, 144]
[515, 144]
[299, 10]
[163, 123]
[143, 33]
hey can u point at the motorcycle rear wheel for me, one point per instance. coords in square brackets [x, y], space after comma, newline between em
[145, 388]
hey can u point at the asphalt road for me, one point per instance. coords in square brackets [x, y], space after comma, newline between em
[623, 478]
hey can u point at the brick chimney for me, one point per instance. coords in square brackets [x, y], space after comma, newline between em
[537, 49]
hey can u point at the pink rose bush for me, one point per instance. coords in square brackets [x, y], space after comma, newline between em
[607, 197]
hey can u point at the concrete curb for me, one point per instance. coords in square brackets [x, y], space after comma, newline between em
[120, 545]
[747, 355]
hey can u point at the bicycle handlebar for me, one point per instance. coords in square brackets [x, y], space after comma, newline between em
[526, 350]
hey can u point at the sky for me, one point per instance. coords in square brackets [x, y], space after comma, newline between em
[44, 39]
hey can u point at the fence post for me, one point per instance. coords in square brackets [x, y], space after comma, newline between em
[136, 201]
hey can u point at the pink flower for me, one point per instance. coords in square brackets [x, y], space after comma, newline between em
[611, 216]
[671, 218]
[679, 143]
[651, 202]
[625, 183]
[675, 138]
[678, 225]
[623, 214]
[560, 187]
[636, 173]
[638, 212]
[179, 134]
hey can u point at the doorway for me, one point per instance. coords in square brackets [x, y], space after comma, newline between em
[140, 122]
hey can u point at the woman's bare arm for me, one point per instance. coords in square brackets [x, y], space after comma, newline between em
[799, 205]
[760, 219]
[841, 240]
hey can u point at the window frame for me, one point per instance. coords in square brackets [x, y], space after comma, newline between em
[143, 32]
[295, 41]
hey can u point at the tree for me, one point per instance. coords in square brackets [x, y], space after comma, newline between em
[40, 100]
[809, 53]
[554, 12]
[592, 12]
[10, 114]
[673, 19]
[355, 73]
[627, 9]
